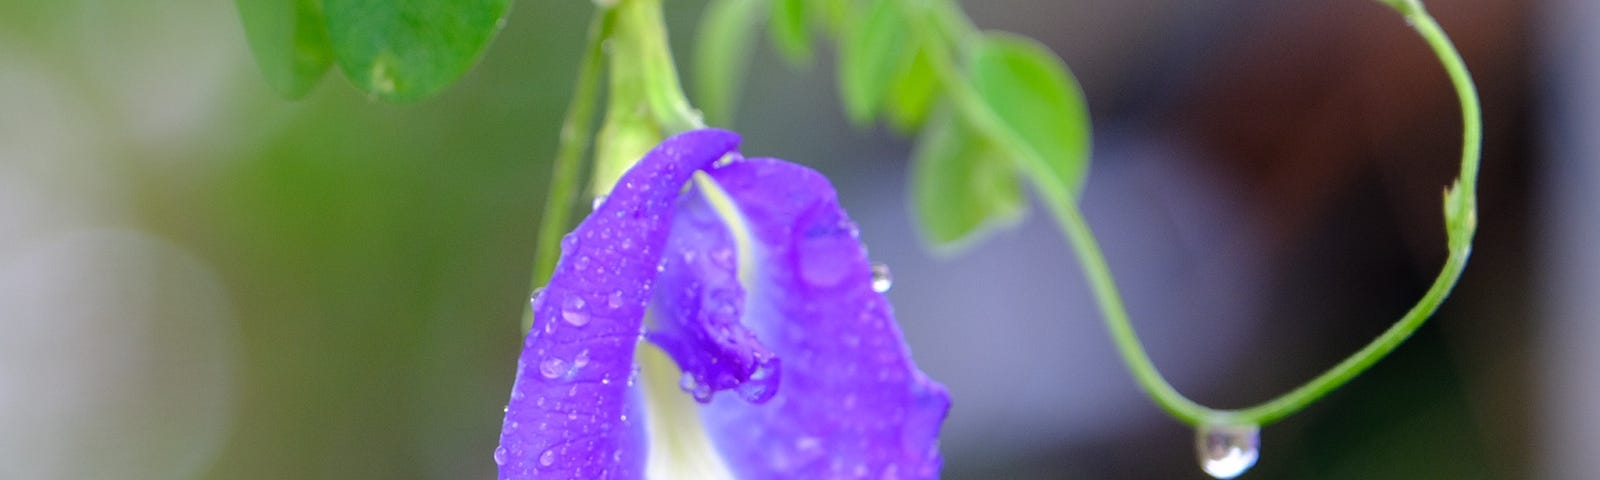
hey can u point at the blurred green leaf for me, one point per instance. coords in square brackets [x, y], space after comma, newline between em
[833, 15]
[869, 59]
[1032, 92]
[914, 93]
[722, 53]
[404, 50]
[289, 41]
[791, 32]
[961, 185]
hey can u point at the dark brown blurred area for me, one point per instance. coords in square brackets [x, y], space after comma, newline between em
[1306, 100]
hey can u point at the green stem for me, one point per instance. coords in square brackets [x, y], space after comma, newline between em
[1460, 208]
[646, 101]
[574, 140]
[1460, 234]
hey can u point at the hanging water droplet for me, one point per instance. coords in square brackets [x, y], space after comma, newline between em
[500, 455]
[598, 201]
[882, 280]
[1227, 450]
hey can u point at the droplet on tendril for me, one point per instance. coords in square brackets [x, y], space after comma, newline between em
[882, 280]
[1227, 450]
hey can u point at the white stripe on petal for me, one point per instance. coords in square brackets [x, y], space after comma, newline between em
[679, 446]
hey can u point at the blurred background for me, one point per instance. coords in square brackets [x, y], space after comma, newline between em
[201, 280]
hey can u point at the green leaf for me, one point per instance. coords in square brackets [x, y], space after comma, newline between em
[1032, 92]
[869, 60]
[962, 187]
[289, 41]
[791, 31]
[722, 54]
[914, 93]
[404, 50]
[833, 15]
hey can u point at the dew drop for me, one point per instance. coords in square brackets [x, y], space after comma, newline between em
[598, 201]
[547, 458]
[552, 367]
[1227, 450]
[754, 392]
[882, 280]
[723, 257]
[572, 311]
[581, 360]
[534, 300]
[500, 455]
[762, 384]
[701, 391]
[615, 300]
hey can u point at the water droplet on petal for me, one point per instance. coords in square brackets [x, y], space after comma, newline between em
[573, 311]
[723, 257]
[701, 391]
[1227, 450]
[615, 300]
[547, 458]
[762, 384]
[581, 360]
[826, 257]
[533, 300]
[552, 367]
[598, 201]
[500, 455]
[882, 280]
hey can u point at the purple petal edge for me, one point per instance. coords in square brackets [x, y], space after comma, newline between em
[573, 412]
[852, 403]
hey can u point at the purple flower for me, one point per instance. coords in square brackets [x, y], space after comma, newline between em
[796, 362]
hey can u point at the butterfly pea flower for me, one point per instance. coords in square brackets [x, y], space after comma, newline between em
[752, 287]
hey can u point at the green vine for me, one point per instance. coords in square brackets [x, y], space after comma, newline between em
[1459, 206]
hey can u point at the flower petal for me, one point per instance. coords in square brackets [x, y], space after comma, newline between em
[573, 409]
[852, 403]
[698, 309]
